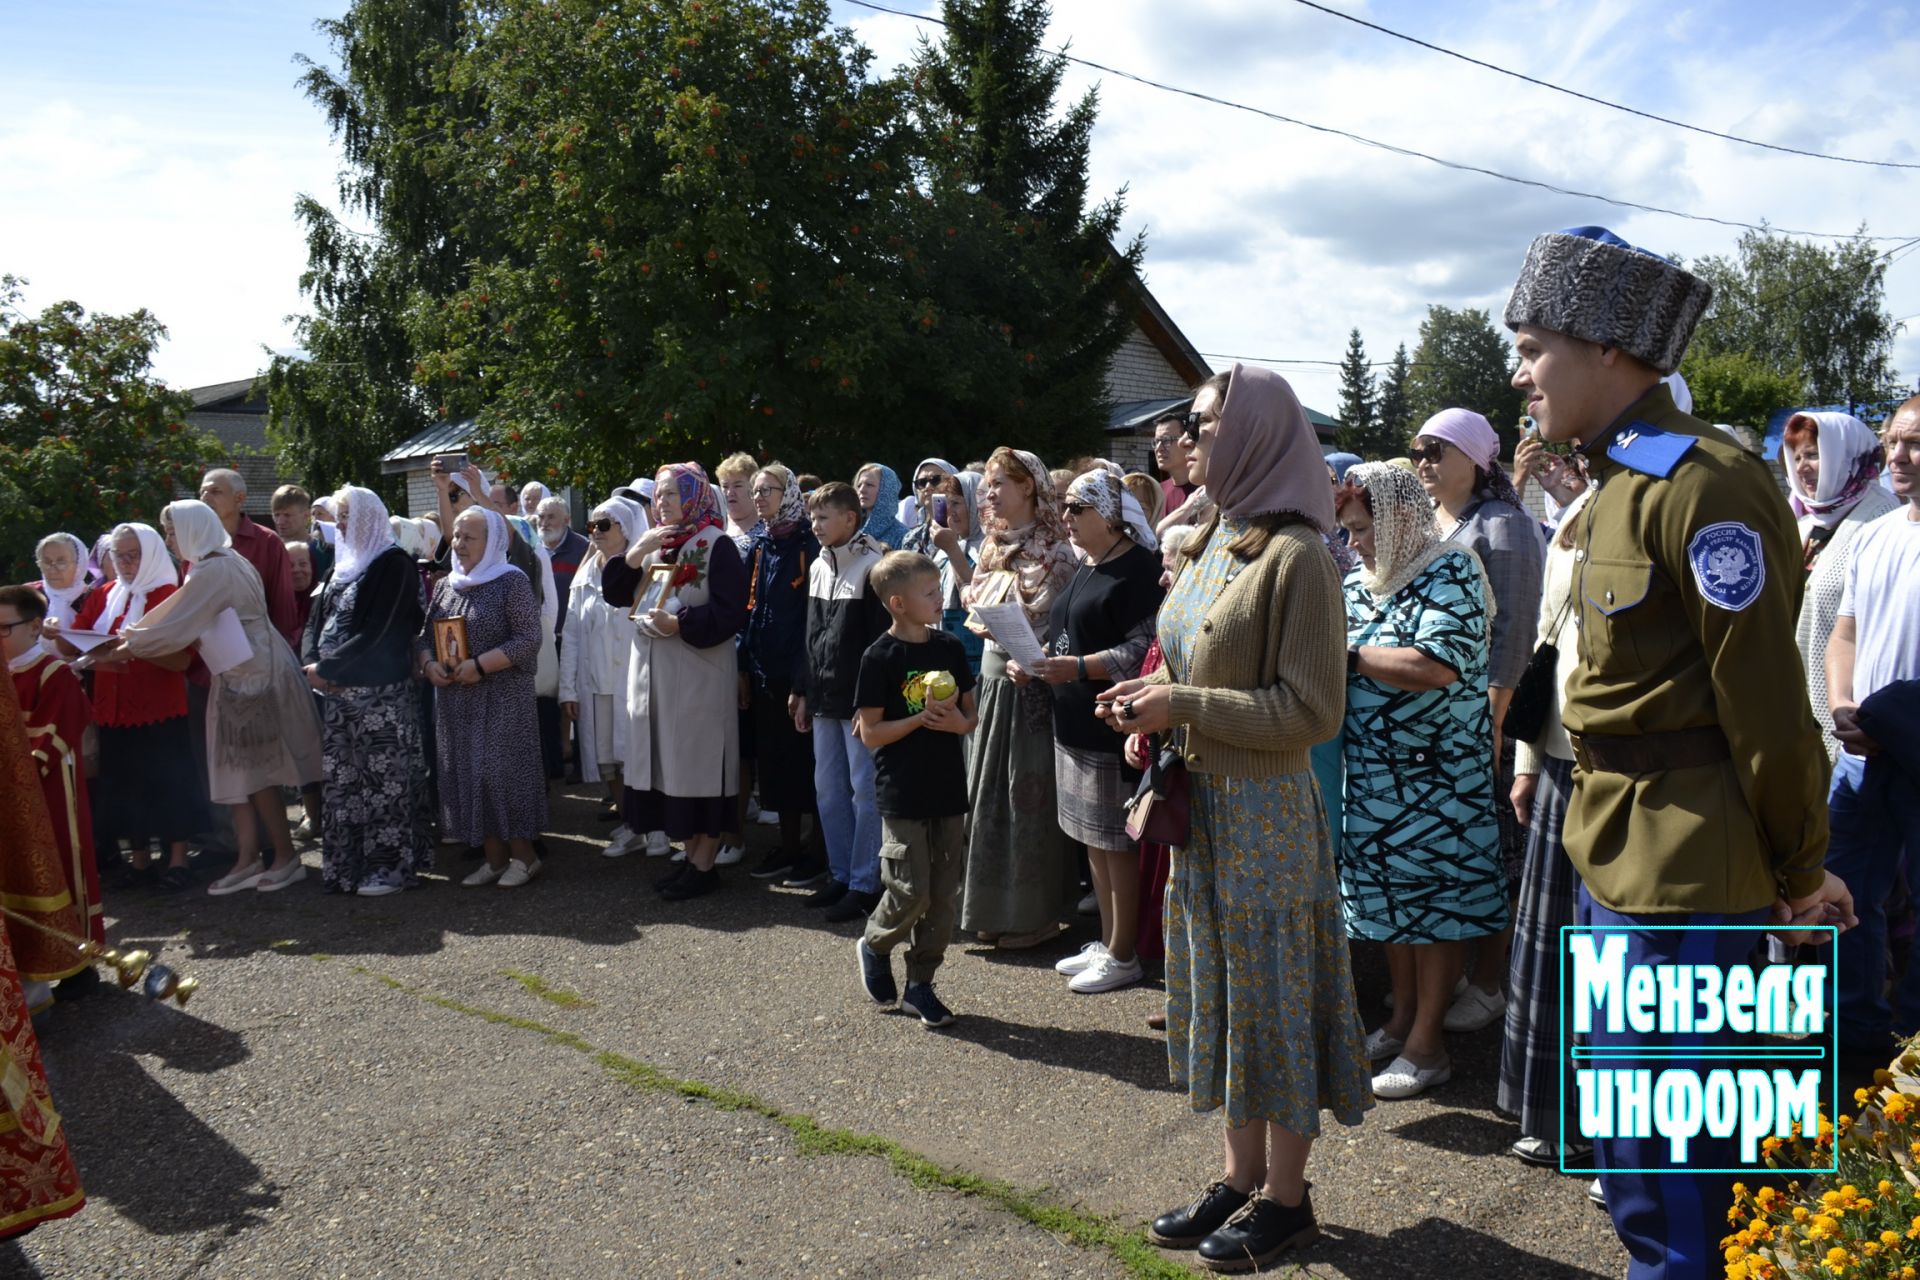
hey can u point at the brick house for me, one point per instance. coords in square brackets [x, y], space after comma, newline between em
[236, 415]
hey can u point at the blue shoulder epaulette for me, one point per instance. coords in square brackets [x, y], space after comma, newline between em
[1647, 449]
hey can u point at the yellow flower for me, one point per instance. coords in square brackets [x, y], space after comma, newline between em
[1822, 1227]
[1835, 1199]
[1838, 1260]
[1860, 1096]
[1890, 1238]
[1897, 1108]
[1765, 1197]
[1800, 1214]
[1739, 1271]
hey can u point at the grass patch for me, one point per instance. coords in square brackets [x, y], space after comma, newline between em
[1086, 1230]
[540, 987]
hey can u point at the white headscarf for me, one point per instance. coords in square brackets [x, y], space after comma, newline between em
[1682, 393]
[1405, 541]
[1103, 490]
[493, 558]
[407, 536]
[156, 570]
[520, 498]
[197, 530]
[366, 533]
[1851, 458]
[61, 600]
[632, 521]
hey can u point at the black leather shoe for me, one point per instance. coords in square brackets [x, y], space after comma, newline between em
[1185, 1228]
[1258, 1234]
[693, 883]
[673, 873]
[826, 895]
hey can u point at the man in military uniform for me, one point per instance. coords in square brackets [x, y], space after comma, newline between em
[1699, 794]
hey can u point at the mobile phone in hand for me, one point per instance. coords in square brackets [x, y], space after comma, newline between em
[939, 509]
[452, 463]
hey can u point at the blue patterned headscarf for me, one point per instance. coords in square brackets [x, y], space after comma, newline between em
[883, 523]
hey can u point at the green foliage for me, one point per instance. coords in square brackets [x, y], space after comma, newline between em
[1739, 388]
[1356, 397]
[87, 438]
[1807, 312]
[1393, 413]
[623, 233]
[1464, 361]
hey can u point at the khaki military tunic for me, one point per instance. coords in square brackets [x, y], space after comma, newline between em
[1688, 581]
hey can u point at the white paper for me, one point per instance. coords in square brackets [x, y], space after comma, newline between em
[1008, 625]
[225, 646]
[85, 641]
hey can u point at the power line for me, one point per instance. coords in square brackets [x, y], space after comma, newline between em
[1602, 102]
[1409, 152]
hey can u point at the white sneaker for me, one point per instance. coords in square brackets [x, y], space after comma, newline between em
[518, 873]
[658, 846]
[729, 855]
[623, 843]
[1402, 1079]
[753, 809]
[242, 878]
[1080, 960]
[679, 855]
[1474, 1009]
[1380, 1045]
[1089, 905]
[485, 873]
[1106, 974]
[767, 818]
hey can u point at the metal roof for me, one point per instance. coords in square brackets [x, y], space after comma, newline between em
[411, 454]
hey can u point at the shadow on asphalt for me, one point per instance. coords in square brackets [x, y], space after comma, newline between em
[143, 1151]
[1140, 1061]
[1436, 1249]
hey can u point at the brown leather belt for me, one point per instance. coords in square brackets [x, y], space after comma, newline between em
[1650, 752]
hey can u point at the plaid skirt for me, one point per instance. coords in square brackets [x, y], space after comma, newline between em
[1091, 791]
[1534, 1066]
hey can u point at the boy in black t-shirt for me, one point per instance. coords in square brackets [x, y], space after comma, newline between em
[915, 699]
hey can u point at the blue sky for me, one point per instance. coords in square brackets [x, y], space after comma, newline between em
[153, 152]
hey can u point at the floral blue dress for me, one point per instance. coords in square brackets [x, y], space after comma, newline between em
[1260, 1008]
[1421, 857]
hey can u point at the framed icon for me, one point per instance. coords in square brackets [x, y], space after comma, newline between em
[450, 647]
[655, 594]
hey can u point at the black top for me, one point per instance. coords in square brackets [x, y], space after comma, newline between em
[364, 637]
[923, 775]
[1100, 605]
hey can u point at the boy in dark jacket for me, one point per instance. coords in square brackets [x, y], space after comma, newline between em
[843, 619]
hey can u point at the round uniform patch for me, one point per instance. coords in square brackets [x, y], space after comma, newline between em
[1728, 564]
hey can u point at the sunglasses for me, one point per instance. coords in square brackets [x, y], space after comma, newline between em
[1428, 453]
[925, 482]
[1190, 427]
[1075, 508]
[599, 526]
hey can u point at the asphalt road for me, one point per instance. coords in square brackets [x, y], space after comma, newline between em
[577, 1079]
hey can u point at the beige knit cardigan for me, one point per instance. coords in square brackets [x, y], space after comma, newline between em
[1267, 672]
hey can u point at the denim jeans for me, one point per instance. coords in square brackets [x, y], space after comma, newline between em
[849, 812]
[1873, 814]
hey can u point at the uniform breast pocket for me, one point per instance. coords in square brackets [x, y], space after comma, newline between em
[1613, 613]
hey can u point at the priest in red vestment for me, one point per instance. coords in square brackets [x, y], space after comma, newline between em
[55, 713]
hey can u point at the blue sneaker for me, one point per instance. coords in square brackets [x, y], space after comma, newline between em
[921, 1000]
[876, 975]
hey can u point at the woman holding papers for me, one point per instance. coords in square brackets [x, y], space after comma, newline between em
[1020, 870]
[262, 732]
[146, 790]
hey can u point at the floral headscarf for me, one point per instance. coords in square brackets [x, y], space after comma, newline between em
[366, 534]
[1038, 553]
[793, 504]
[1851, 459]
[699, 504]
[1106, 493]
[883, 522]
[1405, 541]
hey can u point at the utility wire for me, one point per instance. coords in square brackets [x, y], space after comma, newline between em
[1602, 102]
[1408, 152]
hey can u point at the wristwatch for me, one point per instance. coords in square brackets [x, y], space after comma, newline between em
[1353, 659]
[1083, 667]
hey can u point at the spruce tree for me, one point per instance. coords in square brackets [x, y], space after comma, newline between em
[1356, 397]
[1391, 428]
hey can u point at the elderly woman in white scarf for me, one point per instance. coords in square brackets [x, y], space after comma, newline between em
[1832, 461]
[262, 733]
[64, 577]
[359, 652]
[950, 533]
[478, 650]
[1420, 865]
[597, 645]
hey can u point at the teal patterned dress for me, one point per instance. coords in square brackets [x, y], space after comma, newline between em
[1260, 1007]
[1421, 861]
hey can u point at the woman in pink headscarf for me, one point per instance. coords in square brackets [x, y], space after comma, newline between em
[1260, 1008]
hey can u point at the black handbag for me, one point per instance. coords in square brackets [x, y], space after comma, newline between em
[1534, 697]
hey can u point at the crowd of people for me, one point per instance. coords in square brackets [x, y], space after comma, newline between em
[1266, 706]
